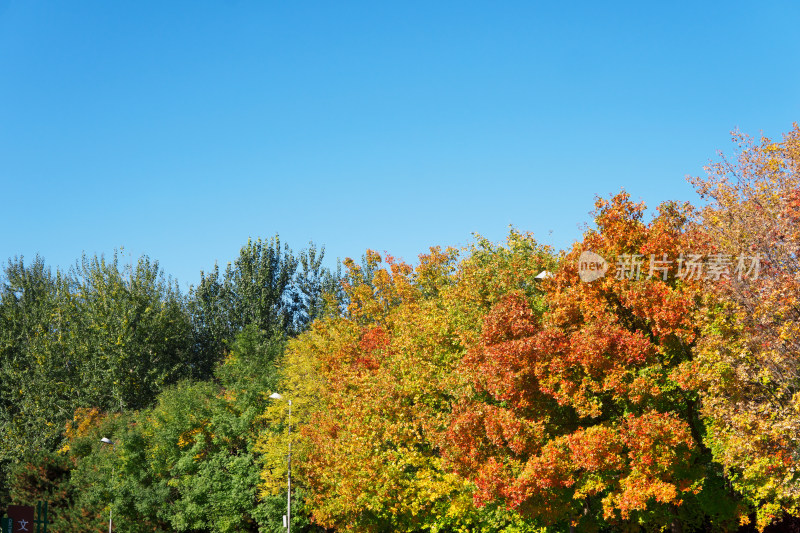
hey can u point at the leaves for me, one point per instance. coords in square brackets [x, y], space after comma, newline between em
[463, 393]
[388, 378]
[748, 366]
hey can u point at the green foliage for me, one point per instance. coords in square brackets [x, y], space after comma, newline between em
[44, 476]
[267, 287]
[320, 289]
[133, 333]
[39, 377]
[189, 461]
[105, 335]
[77, 479]
[112, 338]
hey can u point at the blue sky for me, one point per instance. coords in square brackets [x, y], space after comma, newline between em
[180, 129]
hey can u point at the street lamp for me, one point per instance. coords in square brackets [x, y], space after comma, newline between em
[276, 396]
[106, 440]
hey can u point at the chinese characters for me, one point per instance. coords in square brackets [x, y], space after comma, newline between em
[687, 266]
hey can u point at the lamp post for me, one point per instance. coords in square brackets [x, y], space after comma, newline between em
[106, 440]
[276, 396]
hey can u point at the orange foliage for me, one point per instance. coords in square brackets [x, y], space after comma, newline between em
[579, 405]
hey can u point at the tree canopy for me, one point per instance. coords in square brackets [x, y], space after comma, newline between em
[645, 379]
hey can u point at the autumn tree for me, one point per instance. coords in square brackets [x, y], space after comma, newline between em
[384, 382]
[748, 364]
[576, 414]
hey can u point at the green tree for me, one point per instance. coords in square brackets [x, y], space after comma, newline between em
[256, 289]
[190, 462]
[132, 334]
[76, 480]
[268, 287]
[319, 288]
[38, 376]
[104, 335]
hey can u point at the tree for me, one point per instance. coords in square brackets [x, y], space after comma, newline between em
[190, 462]
[38, 376]
[101, 336]
[268, 287]
[575, 414]
[378, 384]
[132, 333]
[748, 364]
[319, 288]
[75, 480]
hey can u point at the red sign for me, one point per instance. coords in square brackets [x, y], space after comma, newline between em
[21, 518]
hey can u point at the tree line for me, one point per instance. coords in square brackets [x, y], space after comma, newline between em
[468, 392]
[97, 350]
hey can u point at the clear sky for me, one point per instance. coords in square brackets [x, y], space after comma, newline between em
[180, 129]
